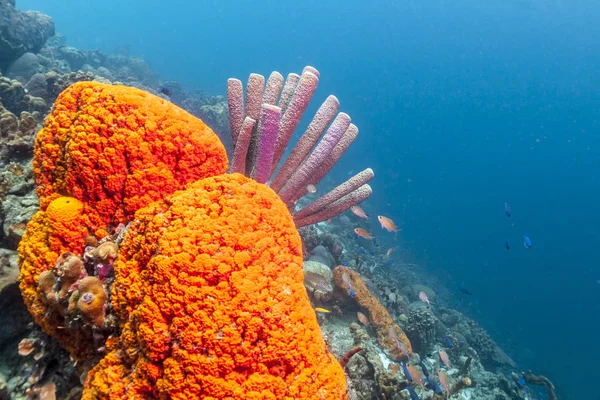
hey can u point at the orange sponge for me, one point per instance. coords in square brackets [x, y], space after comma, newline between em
[378, 314]
[60, 230]
[118, 148]
[209, 290]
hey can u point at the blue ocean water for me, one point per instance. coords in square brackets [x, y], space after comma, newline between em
[462, 106]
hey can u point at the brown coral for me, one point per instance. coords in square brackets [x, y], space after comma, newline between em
[378, 315]
[90, 301]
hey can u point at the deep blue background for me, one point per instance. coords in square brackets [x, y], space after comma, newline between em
[461, 105]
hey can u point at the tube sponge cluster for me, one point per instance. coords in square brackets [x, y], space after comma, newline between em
[118, 148]
[209, 283]
[261, 138]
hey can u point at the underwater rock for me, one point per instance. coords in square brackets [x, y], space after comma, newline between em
[18, 134]
[493, 358]
[14, 317]
[18, 211]
[318, 280]
[321, 255]
[37, 86]
[73, 56]
[127, 69]
[21, 32]
[11, 93]
[9, 268]
[105, 73]
[421, 329]
[25, 67]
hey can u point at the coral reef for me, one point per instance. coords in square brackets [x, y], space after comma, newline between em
[68, 274]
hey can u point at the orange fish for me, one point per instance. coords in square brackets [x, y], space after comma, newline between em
[363, 318]
[390, 251]
[387, 224]
[416, 375]
[445, 358]
[359, 212]
[363, 233]
[444, 381]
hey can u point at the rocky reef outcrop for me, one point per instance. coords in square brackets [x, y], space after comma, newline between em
[21, 32]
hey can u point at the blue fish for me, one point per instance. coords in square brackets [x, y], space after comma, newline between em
[352, 292]
[362, 250]
[413, 394]
[526, 242]
[448, 341]
[507, 244]
[507, 210]
[406, 373]
[424, 368]
[430, 384]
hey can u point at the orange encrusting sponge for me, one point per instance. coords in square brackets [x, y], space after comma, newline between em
[209, 291]
[378, 314]
[118, 148]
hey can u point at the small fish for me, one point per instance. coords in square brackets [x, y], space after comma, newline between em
[526, 242]
[413, 394]
[387, 224]
[359, 212]
[317, 281]
[507, 210]
[444, 381]
[399, 344]
[448, 341]
[424, 368]
[466, 291]
[444, 357]
[363, 233]
[507, 244]
[416, 375]
[430, 384]
[363, 319]
[322, 310]
[311, 188]
[346, 280]
[423, 297]
[166, 91]
[390, 251]
[406, 372]
[362, 250]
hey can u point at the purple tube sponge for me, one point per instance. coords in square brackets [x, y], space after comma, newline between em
[267, 134]
[306, 172]
[254, 94]
[288, 90]
[273, 88]
[338, 151]
[357, 196]
[241, 147]
[340, 191]
[292, 115]
[235, 101]
[315, 129]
